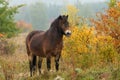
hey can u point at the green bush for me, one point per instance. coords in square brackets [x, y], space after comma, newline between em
[7, 22]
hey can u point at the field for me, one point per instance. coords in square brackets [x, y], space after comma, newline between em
[92, 52]
[15, 67]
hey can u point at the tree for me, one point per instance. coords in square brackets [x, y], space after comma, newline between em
[109, 23]
[24, 26]
[7, 23]
[72, 11]
[85, 47]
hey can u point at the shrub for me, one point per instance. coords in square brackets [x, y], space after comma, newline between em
[86, 49]
[108, 23]
[7, 23]
[7, 47]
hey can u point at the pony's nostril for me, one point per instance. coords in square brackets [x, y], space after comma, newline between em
[68, 33]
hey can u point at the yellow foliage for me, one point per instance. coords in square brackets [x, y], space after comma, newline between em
[85, 47]
[109, 23]
[72, 12]
[81, 41]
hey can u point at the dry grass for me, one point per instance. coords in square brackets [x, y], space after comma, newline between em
[16, 67]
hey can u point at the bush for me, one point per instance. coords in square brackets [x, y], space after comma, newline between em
[86, 49]
[7, 47]
[7, 22]
[108, 23]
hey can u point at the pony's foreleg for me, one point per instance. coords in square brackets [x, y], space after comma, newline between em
[48, 63]
[57, 57]
[40, 64]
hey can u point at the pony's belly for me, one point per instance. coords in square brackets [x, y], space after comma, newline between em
[38, 53]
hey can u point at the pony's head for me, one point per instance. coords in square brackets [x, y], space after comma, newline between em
[64, 25]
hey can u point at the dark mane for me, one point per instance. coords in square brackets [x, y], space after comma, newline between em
[55, 22]
[55, 26]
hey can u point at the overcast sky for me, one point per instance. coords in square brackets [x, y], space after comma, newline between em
[59, 2]
[93, 0]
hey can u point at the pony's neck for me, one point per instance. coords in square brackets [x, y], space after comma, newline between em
[55, 32]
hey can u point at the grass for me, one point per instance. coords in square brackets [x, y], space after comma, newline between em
[16, 67]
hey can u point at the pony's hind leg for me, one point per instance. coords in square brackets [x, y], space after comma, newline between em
[57, 57]
[40, 64]
[32, 64]
[30, 57]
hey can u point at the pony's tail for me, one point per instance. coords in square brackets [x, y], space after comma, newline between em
[27, 47]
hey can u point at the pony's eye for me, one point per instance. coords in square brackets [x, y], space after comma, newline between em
[66, 24]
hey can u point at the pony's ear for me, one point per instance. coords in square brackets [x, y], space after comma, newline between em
[60, 17]
[67, 17]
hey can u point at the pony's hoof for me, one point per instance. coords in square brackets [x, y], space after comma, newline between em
[52, 71]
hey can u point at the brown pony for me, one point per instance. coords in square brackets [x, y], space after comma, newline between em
[47, 43]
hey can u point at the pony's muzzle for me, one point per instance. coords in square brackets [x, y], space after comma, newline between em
[68, 33]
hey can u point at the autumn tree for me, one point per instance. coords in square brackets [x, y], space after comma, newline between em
[7, 23]
[1, 35]
[109, 23]
[85, 47]
[81, 43]
[24, 26]
[72, 11]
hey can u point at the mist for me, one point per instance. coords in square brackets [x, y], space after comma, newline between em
[40, 13]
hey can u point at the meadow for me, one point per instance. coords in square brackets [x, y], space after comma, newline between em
[73, 65]
[92, 52]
